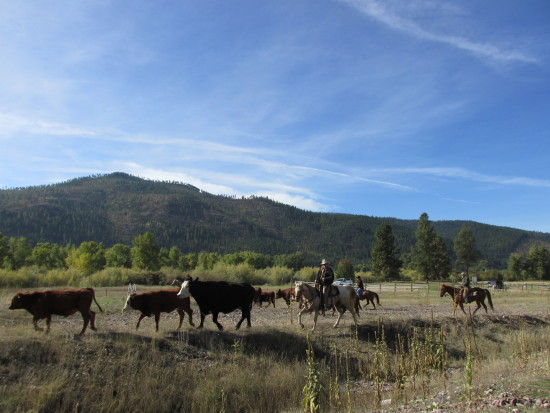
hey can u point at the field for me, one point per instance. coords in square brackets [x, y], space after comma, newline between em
[410, 354]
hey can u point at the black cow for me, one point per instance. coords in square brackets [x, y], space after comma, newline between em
[214, 297]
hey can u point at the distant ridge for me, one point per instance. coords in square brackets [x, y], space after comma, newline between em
[116, 207]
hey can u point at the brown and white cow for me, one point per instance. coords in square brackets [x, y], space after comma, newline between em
[156, 302]
[44, 304]
[287, 294]
[266, 297]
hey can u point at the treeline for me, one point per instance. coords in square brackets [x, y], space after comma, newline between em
[428, 259]
[116, 208]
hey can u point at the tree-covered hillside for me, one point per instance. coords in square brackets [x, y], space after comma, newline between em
[116, 208]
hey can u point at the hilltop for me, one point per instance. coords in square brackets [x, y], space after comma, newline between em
[117, 207]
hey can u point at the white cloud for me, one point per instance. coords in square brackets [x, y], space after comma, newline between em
[379, 12]
[13, 123]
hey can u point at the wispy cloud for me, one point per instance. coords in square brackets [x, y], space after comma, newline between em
[463, 173]
[13, 123]
[382, 14]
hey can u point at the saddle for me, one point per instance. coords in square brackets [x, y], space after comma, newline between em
[472, 292]
[331, 292]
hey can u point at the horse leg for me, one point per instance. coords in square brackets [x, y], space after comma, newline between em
[484, 306]
[300, 316]
[315, 319]
[341, 310]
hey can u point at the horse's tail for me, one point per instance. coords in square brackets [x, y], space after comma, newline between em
[489, 299]
[377, 299]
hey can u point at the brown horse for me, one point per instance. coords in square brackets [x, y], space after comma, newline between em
[475, 294]
[370, 296]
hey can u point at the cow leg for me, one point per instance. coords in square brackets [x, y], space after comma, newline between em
[215, 320]
[190, 315]
[182, 315]
[48, 322]
[35, 321]
[245, 315]
[86, 318]
[92, 320]
[141, 317]
[202, 319]
[157, 319]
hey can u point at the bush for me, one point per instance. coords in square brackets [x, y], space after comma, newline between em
[306, 274]
[277, 275]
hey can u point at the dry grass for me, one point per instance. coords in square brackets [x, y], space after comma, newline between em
[410, 353]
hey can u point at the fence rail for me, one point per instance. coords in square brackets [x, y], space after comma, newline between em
[434, 286]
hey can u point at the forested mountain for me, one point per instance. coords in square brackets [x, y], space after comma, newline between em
[116, 208]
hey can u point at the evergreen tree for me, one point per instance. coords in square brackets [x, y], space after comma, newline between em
[465, 248]
[145, 252]
[384, 261]
[430, 257]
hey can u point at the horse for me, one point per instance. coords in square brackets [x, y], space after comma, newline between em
[370, 296]
[475, 294]
[343, 300]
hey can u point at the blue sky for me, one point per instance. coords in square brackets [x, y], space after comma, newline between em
[381, 108]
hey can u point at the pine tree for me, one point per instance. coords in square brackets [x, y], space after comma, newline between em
[430, 256]
[385, 264]
[465, 248]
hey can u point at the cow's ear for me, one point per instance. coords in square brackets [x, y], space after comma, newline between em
[197, 279]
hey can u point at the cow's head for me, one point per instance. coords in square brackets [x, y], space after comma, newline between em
[132, 290]
[184, 290]
[17, 302]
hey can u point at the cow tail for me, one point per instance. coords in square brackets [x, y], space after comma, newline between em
[95, 301]
[489, 299]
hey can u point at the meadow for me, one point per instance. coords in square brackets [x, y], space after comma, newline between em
[410, 354]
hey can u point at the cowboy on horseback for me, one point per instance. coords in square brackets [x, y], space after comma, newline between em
[324, 278]
[465, 284]
[360, 286]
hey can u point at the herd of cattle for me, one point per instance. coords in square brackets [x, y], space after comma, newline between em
[212, 297]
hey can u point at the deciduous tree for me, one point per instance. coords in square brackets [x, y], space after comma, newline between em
[145, 252]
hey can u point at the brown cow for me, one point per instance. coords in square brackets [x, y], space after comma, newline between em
[266, 297]
[44, 304]
[287, 294]
[257, 294]
[156, 302]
